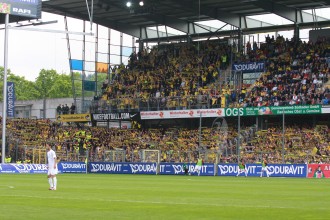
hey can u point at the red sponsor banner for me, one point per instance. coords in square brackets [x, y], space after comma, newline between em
[318, 171]
[191, 113]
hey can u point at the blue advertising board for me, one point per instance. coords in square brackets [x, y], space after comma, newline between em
[177, 169]
[63, 167]
[274, 170]
[11, 99]
[122, 168]
[249, 67]
[72, 167]
[23, 168]
[224, 169]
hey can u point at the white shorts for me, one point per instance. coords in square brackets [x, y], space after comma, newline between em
[52, 171]
[198, 168]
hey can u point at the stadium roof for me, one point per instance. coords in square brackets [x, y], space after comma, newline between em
[185, 15]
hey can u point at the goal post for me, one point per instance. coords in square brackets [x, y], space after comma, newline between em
[151, 156]
[115, 156]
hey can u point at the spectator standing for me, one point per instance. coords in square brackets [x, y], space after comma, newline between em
[73, 108]
[59, 109]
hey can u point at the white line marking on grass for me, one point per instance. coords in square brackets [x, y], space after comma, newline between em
[166, 203]
[4, 187]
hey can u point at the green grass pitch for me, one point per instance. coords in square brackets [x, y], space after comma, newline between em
[93, 196]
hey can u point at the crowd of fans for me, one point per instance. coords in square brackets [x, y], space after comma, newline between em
[27, 138]
[296, 73]
[182, 76]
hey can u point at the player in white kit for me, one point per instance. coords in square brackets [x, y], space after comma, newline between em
[52, 168]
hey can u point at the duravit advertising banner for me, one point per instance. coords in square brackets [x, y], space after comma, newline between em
[23, 168]
[225, 169]
[274, 170]
[11, 99]
[63, 167]
[177, 169]
[249, 67]
[122, 168]
[72, 167]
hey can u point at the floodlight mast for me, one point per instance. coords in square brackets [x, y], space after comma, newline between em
[7, 27]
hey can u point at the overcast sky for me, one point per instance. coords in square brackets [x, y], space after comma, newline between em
[31, 51]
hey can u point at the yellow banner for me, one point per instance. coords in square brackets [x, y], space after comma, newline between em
[74, 118]
[102, 67]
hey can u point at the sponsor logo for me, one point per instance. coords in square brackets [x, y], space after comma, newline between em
[27, 168]
[177, 169]
[234, 111]
[286, 170]
[110, 167]
[147, 168]
[246, 67]
[73, 166]
[21, 11]
[225, 169]
[10, 99]
[112, 116]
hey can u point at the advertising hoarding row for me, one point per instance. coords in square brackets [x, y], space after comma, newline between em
[229, 112]
[208, 169]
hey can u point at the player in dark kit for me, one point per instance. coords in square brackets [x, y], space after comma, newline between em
[185, 168]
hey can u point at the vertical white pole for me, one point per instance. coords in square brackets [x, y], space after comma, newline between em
[4, 106]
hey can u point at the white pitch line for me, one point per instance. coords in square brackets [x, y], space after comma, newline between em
[164, 203]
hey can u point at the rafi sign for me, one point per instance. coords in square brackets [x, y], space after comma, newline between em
[24, 8]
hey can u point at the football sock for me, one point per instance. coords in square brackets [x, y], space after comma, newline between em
[50, 182]
[55, 182]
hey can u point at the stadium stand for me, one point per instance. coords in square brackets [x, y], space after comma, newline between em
[181, 76]
[27, 138]
[193, 76]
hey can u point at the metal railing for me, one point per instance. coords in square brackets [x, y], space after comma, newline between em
[167, 103]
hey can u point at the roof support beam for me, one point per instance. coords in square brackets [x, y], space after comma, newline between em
[229, 18]
[292, 14]
[136, 31]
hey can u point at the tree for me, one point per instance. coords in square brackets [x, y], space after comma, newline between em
[50, 84]
[24, 89]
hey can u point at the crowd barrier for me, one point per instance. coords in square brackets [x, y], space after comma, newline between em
[208, 169]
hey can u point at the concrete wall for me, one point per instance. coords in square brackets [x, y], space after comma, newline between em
[34, 108]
